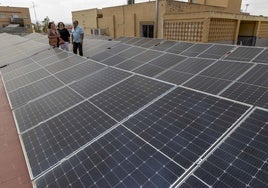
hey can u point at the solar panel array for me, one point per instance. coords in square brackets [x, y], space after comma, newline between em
[139, 112]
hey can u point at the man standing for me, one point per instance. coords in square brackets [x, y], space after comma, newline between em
[77, 38]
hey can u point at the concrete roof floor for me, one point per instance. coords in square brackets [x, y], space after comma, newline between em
[13, 169]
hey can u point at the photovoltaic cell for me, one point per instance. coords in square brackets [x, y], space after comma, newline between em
[114, 60]
[17, 65]
[55, 139]
[79, 71]
[218, 76]
[164, 45]
[216, 51]
[129, 53]
[119, 159]
[149, 70]
[179, 47]
[248, 93]
[151, 43]
[262, 58]
[127, 97]
[244, 54]
[23, 95]
[54, 58]
[139, 60]
[46, 53]
[99, 81]
[196, 49]
[185, 70]
[133, 40]
[64, 64]
[258, 75]
[26, 79]
[167, 60]
[241, 160]
[174, 77]
[193, 65]
[20, 71]
[142, 41]
[40, 110]
[184, 124]
[207, 84]
[252, 88]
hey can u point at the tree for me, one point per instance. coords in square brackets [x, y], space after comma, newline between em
[45, 24]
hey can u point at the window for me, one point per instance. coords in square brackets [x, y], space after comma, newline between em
[147, 31]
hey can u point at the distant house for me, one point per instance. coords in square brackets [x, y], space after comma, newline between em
[195, 21]
[17, 19]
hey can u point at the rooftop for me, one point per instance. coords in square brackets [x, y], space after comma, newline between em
[139, 112]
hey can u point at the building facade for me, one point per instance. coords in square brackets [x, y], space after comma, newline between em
[194, 21]
[15, 15]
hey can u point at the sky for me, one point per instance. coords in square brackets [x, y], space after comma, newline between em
[60, 10]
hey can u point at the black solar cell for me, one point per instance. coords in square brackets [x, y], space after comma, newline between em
[128, 96]
[184, 124]
[55, 139]
[119, 159]
[241, 160]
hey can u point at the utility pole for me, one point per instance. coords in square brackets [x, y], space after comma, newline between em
[246, 7]
[35, 13]
[156, 19]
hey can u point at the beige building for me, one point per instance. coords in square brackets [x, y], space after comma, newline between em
[15, 15]
[196, 21]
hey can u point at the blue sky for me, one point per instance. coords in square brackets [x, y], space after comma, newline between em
[60, 10]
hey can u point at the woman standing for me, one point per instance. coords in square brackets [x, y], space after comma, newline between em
[64, 35]
[53, 35]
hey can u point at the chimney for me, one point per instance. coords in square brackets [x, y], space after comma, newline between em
[130, 2]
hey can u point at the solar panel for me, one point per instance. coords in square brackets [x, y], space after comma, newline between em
[129, 53]
[114, 60]
[23, 95]
[99, 81]
[258, 75]
[262, 58]
[44, 108]
[119, 159]
[196, 49]
[164, 45]
[128, 96]
[167, 60]
[45, 54]
[9, 75]
[216, 51]
[185, 70]
[241, 160]
[133, 40]
[179, 47]
[149, 70]
[193, 65]
[139, 60]
[52, 141]
[79, 71]
[101, 56]
[207, 84]
[174, 77]
[251, 94]
[244, 54]
[184, 124]
[142, 41]
[151, 43]
[159, 64]
[64, 64]
[218, 76]
[17, 65]
[26, 79]
[251, 88]
[53, 58]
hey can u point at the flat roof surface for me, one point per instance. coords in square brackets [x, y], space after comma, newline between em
[13, 171]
